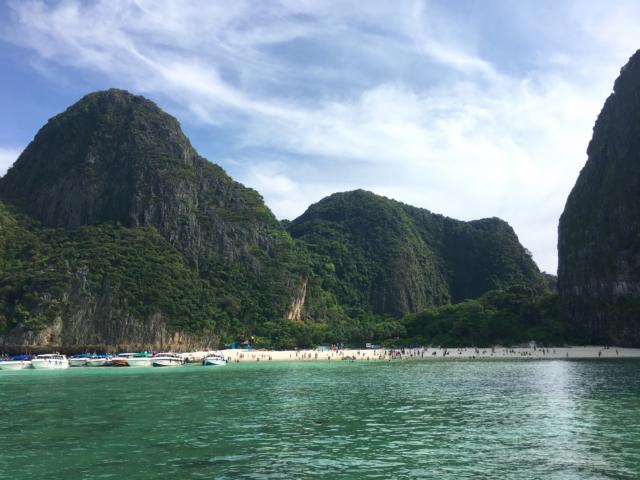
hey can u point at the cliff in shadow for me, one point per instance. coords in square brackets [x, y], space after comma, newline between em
[599, 230]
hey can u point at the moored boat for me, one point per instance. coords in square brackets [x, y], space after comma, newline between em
[98, 360]
[17, 362]
[214, 360]
[167, 360]
[142, 359]
[50, 361]
[121, 360]
[79, 360]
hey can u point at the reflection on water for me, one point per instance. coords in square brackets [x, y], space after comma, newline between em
[446, 419]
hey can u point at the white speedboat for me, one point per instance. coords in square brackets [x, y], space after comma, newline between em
[50, 361]
[140, 361]
[132, 360]
[167, 360]
[98, 361]
[19, 362]
[78, 360]
[214, 360]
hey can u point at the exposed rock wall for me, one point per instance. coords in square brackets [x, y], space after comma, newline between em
[599, 230]
[297, 306]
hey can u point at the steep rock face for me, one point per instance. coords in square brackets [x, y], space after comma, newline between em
[116, 157]
[599, 230]
[391, 258]
[479, 255]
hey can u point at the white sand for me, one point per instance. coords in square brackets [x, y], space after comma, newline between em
[423, 354]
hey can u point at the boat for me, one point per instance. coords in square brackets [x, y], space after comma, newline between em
[17, 362]
[100, 360]
[167, 360]
[214, 360]
[142, 359]
[121, 360]
[79, 360]
[50, 361]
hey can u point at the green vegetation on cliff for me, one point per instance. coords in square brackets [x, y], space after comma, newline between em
[383, 257]
[43, 270]
[48, 273]
[513, 316]
[116, 161]
[33, 275]
[371, 255]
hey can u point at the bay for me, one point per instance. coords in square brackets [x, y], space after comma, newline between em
[367, 420]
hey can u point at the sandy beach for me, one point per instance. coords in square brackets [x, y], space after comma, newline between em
[577, 352]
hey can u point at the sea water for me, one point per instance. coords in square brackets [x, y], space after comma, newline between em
[338, 420]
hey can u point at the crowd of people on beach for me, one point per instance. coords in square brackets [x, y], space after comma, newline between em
[419, 353]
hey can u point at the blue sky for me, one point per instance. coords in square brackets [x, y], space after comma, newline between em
[467, 108]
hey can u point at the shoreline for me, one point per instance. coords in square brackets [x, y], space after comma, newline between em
[419, 354]
[423, 354]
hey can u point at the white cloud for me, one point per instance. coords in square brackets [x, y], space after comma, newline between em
[393, 98]
[284, 195]
[7, 157]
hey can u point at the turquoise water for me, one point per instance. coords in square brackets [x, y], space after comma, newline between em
[440, 419]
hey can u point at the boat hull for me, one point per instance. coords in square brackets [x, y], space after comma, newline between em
[140, 362]
[77, 362]
[162, 362]
[208, 361]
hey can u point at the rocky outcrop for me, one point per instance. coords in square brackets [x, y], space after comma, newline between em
[599, 230]
[297, 306]
[87, 328]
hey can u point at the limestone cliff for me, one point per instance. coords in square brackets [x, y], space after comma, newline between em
[114, 171]
[599, 231]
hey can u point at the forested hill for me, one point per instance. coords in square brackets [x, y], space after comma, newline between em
[114, 167]
[396, 259]
[115, 232]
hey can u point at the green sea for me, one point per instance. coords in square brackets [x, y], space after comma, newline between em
[338, 420]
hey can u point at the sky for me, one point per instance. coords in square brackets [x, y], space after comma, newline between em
[468, 108]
